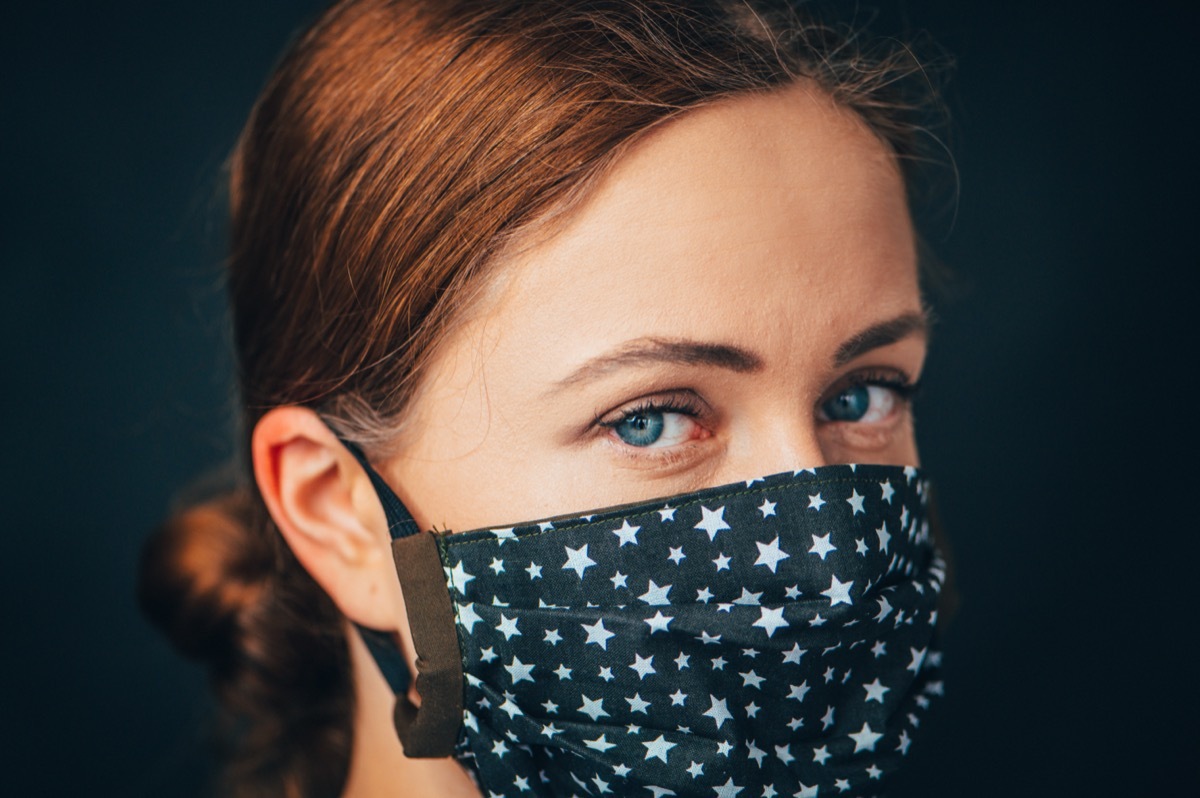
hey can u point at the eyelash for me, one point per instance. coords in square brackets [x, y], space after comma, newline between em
[681, 402]
[906, 389]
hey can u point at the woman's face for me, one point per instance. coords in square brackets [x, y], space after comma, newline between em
[737, 297]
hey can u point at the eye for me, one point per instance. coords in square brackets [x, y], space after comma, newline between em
[857, 402]
[653, 427]
[658, 422]
[866, 401]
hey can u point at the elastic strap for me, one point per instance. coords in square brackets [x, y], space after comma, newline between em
[400, 520]
[430, 730]
[387, 656]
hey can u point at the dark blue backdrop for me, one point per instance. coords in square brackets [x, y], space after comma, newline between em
[1058, 419]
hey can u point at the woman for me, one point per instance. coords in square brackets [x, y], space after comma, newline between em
[502, 261]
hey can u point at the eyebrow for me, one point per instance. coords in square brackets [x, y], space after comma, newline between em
[645, 351]
[882, 334]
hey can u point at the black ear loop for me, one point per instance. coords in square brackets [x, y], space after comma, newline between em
[382, 645]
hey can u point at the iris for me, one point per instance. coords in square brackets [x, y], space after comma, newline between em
[641, 428]
[849, 405]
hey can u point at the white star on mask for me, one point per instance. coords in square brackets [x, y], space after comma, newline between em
[578, 560]
[770, 555]
[712, 522]
[838, 592]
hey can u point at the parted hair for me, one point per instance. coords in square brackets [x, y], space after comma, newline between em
[398, 150]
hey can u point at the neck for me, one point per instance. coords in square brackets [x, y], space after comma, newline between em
[378, 766]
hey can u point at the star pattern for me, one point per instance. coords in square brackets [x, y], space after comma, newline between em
[626, 533]
[770, 555]
[712, 522]
[771, 620]
[838, 591]
[821, 546]
[773, 638]
[719, 712]
[578, 560]
[655, 595]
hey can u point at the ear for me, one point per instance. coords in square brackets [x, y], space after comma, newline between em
[329, 514]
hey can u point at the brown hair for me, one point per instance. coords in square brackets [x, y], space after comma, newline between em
[399, 149]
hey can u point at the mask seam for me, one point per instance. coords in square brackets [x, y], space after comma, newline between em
[460, 636]
[447, 537]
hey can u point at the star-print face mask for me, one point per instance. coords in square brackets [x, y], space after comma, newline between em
[768, 638]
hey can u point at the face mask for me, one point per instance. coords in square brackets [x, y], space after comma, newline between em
[768, 638]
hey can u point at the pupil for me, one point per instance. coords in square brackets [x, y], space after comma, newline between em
[641, 429]
[849, 405]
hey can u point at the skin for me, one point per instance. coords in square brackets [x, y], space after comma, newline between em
[774, 226]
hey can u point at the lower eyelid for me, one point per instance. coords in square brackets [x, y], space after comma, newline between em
[649, 458]
[871, 436]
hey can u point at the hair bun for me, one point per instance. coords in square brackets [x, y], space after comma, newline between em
[202, 574]
[217, 579]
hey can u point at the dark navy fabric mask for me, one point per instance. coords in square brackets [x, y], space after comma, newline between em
[767, 638]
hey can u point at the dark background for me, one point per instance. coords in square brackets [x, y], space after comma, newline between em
[1058, 422]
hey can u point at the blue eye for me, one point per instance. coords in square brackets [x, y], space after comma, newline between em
[656, 425]
[866, 403]
[850, 404]
[641, 428]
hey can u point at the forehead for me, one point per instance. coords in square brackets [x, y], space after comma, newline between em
[759, 217]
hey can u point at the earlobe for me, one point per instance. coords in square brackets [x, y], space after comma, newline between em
[320, 499]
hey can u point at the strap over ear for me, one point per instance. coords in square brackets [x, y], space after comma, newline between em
[431, 729]
[400, 520]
